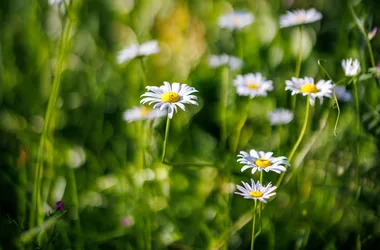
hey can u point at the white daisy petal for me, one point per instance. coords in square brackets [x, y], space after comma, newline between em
[135, 50]
[297, 17]
[351, 67]
[307, 87]
[170, 112]
[256, 191]
[225, 60]
[236, 20]
[262, 161]
[280, 116]
[176, 87]
[252, 85]
[181, 106]
[142, 113]
[149, 48]
[170, 96]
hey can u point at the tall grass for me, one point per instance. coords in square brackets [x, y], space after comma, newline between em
[156, 184]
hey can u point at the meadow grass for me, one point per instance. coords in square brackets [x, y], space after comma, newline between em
[87, 162]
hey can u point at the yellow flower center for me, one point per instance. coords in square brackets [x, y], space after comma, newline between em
[170, 97]
[252, 85]
[262, 163]
[144, 111]
[255, 194]
[309, 88]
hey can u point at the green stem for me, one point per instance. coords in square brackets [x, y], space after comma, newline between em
[165, 139]
[253, 227]
[364, 33]
[279, 138]
[240, 223]
[227, 208]
[223, 105]
[335, 99]
[358, 131]
[260, 206]
[298, 142]
[338, 115]
[240, 125]
[299, 57]
[75, 209]
[239, 48]
[29, 235]
[358, 242]
[298, 66]
[149, 192]
[36, 215]
[140, 141]
[148, 233]
[357, 107]
[294, 149]
[261, 224]
[143, 70]
[182, 164]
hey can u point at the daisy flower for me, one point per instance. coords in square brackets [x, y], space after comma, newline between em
[351, 67]
[135, 50]
[342, 94]
[252, 85]
[236, 20]
[52, 2]
[306, 86]
[220, 60]
[296, 17]
[235, 63]
[61, 3]
[142, 113]
[256, 191]
[261, 161]
[280, 116]
[170, 96]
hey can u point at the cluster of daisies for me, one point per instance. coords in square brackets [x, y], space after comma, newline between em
[259, 161]
[166, 99]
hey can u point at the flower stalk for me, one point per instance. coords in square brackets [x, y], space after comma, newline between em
[299, 57]
[165, 139]
[223, 104]
[300, 137]
[253, 226]
[36, 214]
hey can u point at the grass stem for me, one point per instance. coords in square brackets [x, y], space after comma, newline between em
[36, 215]
[165, 139]
[223, 105]
[253, 227]
[300, 137]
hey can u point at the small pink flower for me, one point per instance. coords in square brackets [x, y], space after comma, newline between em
[126, 221]
[372, 34]
[59, 205]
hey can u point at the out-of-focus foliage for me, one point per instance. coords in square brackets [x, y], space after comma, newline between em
[128, 199]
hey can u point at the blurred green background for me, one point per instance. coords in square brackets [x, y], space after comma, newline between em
[93, 162]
